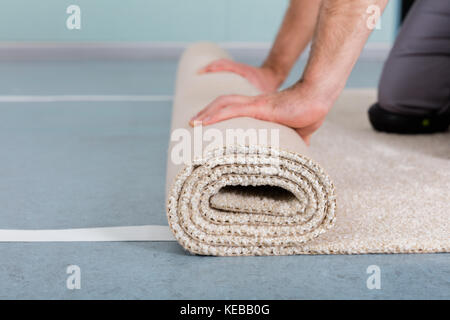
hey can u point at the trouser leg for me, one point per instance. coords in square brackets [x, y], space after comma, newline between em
[415, 80]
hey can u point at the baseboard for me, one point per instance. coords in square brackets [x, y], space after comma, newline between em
[146, 51]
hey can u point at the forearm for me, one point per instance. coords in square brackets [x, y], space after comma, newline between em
[294, 35]
[340, 35]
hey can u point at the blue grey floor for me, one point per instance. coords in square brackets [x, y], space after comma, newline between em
[89, 164]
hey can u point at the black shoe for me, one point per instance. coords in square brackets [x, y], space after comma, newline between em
[383, 120]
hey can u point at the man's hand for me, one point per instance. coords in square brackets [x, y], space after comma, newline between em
[339, 37]
[299, 107]
[263, 78]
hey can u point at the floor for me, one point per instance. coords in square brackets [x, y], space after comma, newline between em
[99, 163]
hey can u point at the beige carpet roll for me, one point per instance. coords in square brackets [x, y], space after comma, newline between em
[256, 192]
[392, 191]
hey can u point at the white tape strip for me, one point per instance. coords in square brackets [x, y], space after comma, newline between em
[85, 98]
[131, 233]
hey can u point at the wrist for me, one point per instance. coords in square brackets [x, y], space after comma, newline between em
[324, 88]
[316, 93]
[278, 73]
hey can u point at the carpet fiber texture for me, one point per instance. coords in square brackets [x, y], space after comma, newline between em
[276, 198]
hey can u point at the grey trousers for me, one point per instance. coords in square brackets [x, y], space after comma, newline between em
[416, 76]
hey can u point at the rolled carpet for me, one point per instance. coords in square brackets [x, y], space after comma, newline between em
[257, 193]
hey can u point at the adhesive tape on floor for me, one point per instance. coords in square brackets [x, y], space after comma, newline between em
[131, 233]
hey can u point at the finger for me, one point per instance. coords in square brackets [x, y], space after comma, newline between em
[217, 103]
[212, 108]
[254, 107]
[249, 108]
[228, 112]
[210, 66]
[219, 65]
[221, 101]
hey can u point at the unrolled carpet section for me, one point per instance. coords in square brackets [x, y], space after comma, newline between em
[263, 198]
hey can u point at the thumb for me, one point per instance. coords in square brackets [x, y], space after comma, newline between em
[307, 139]
[306, 132]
